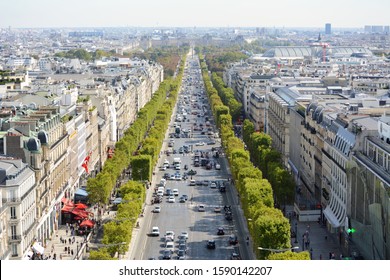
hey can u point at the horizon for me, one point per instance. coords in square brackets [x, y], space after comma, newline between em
[347, 14]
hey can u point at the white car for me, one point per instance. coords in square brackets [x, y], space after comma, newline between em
[171, 199]
[175, 192]
[157, 209]
[217, 166]
[155, 231]
[170, 246]
[184, 234]
[213, 185]
[200, 144]
[169, 234]
[201, 208]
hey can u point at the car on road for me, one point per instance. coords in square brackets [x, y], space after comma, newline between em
[172, 177]
[200, 144]
[192, 183]
[183, 246]
[170, 246]
[181, 254]
[233, 240]
[213, 185]
[171, 199]
[220, 231]
[201, 208]
[184, 234]
[182, 199]
[235, 256]
[217, 166]
[175, 192]
[217, 209]
[210, 244]
[155, 231]
[169, 234]
[157, 209]
[167, 255]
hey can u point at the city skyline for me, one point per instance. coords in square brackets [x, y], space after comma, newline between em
[176, 13]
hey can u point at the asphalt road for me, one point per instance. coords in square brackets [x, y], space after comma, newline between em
[178, 217]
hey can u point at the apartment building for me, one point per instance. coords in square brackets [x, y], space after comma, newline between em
[369, 183]
[18, 204]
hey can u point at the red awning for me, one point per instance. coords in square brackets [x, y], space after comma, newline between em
[81, 206]
[80, 212]
[67, 208]
[87, 223]
[67, 201]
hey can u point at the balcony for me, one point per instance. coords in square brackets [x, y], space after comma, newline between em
[15, 238]
[11, 200]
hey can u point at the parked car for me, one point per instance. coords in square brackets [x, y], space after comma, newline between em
[201, 208]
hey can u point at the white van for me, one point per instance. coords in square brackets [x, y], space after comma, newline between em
[176, 161]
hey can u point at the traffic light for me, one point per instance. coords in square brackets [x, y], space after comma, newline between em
[351, 230]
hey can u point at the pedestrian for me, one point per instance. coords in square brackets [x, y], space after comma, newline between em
[341, 256]
[54, 256]
[65, 241]
[68, 250]
[71, 252]
[320, 256]
[66, 231]
[247, 240]
[70, 240]
[330, 255]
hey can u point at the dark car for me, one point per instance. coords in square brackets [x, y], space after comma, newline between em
[233, 239]
[220, 231]
[167, 255]
[211, 244]
[235, 256]
[181, 254]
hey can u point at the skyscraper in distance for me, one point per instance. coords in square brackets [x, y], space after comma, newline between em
[328, 28]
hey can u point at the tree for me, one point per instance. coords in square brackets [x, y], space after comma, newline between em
[101, 254]
[288, 255]
[272, 229]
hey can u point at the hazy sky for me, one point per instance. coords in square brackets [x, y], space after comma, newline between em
[183, 13]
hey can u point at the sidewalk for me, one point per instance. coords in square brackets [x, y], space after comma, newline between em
[322, 243]
[77, 244]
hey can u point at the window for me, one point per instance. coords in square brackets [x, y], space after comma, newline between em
[13, 232]
[13, 212]
[14, 248]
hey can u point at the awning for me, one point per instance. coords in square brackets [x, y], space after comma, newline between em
[38, 248]
[80, 212]
[81, 206]
[67, 208]
[87, 223]
[67, 201]
[81, 192]
[331, 217]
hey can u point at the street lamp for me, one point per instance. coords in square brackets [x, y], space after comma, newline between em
[296, 233]
[278, 250]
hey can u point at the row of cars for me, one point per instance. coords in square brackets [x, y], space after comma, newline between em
[180, 248]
